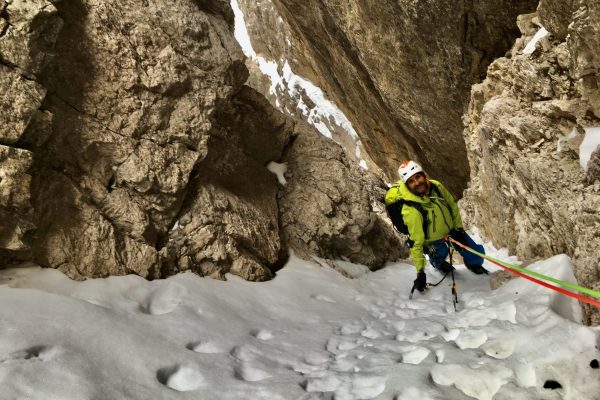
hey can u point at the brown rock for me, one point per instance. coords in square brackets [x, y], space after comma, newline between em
[15, 207]
[523, 130]
[19, 100]
[326, 209]
[400, 71]
[556, 15]
[28, 32]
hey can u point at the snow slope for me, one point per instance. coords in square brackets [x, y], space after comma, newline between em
[308, 334]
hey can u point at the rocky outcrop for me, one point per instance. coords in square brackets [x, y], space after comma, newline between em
[524, 126]
[131, 145]
[28, 30]
[229, 221]
[328, 210]
[401, 71]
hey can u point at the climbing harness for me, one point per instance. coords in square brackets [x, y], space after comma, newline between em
[453, 290]
[529, 275]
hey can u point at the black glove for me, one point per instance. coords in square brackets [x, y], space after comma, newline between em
[459, 235]
[421, 281]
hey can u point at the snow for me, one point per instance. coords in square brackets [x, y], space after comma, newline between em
[530, 47]
[590, 142]
[310, 333]
[279, 170]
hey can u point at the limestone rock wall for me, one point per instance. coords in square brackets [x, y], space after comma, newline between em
[130, 144]
[329, 208]
[524, 127]
[401, 71]
[28, 30]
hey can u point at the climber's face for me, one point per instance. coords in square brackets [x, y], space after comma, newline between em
[418, 184]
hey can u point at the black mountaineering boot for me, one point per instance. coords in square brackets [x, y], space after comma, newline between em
[476, 269]
[445, 267]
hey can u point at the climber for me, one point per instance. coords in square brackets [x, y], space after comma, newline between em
[425, 210]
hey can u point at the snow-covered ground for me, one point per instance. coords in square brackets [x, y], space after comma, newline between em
[308, 334]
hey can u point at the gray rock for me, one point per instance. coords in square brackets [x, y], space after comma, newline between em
[556, 15]
[593, 168]
[28, 32]
[132, 91]
[229, 221]
[401, 71]
[15, 207]
[19, 100]
[523, 130]
[326, 209]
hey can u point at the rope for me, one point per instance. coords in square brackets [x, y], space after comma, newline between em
[524, 273]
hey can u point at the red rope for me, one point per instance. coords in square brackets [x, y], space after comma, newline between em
[545, 284]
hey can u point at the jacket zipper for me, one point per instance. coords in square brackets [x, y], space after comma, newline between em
[443, 215]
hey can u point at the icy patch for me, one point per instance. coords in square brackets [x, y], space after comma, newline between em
[415, 354]
[499, 349]
[471, 339]
[530, 47]
[181, 378]
[481, 383]
[279, 170]
[590, 142]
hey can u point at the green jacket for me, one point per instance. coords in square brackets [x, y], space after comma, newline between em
[442, 216]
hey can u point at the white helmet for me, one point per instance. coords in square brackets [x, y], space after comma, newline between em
[408, 169]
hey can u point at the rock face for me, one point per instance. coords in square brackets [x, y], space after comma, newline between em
[400, 70]
[131, 145]
[524, 127]
[28, 30]
[327, 209]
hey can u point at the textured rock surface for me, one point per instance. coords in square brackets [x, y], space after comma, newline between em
[327, 209]
[524, 127]
[137, 149]
[230, 219]
[28, 30]
[131, 90]
[15, 207]
[401, 71]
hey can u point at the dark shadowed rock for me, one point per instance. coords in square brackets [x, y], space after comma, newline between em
[401, 71]
[326, 208]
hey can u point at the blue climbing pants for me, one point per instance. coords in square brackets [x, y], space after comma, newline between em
[438, 251]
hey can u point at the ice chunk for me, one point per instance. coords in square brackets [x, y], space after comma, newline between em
[471, 339]
[481, 383]
[415, 355]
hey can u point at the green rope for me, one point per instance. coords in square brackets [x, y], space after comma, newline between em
[569, 285]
